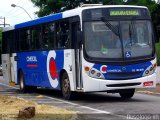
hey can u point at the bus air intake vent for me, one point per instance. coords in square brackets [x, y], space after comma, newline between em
[123, 85]
[124, 75]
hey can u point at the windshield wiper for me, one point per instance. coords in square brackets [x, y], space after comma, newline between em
[130, 32]
[113, 28]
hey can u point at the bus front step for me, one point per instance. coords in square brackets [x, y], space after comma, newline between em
[79, 89]
[12, 83]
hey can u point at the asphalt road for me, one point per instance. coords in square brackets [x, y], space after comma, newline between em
[95, 106]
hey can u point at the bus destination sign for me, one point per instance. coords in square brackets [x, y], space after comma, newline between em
[124, 12]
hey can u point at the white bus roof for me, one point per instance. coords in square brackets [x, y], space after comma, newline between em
[69, 13]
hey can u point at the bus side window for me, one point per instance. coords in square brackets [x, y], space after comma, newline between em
[48, 36]
[4, 43]
[17, 37]
[63, 39]
[51, 35]
[36, 36]
[7, 39]
[75, 28]
[23, 42]
[28, 38]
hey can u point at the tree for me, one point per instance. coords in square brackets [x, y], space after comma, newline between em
[53, 6]
[151, 4]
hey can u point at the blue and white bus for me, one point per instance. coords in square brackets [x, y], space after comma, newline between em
[83, 50]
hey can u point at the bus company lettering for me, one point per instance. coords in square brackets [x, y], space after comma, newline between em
[114, 70]
[31, 59]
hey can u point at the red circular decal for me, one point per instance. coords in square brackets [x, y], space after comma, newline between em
[53, 69]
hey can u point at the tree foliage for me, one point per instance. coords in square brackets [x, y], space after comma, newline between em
[53, 6]
[151, 4]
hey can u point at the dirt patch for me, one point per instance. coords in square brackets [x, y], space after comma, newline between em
[10, 107]
[155, 91]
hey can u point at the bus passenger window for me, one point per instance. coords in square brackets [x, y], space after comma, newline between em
[63, 40]
[24, 41]
[8, 42]
[48, 36]
[51, 35]
[36, 37]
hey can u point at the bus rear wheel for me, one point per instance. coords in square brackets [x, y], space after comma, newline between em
[23, 87]
[127, 94]
[65, 86]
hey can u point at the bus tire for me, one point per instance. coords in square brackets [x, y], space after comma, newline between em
[23, 87]
[127, 94]
[65, 87]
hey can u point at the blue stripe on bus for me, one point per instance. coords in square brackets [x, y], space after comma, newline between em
[34, 65]
[125, 72]
[40, 20]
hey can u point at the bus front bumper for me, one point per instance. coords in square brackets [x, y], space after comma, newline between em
[93, 84]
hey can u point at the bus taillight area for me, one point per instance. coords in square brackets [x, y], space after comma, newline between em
[148, 83]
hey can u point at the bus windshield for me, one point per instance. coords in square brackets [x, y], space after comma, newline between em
[133, 41]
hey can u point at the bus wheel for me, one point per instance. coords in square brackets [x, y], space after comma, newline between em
[23, 87]
[127, 94]
[65, 86]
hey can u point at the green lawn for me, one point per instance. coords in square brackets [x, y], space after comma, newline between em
[158, 53]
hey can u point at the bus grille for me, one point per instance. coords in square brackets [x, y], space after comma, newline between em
[124, 75]
[123, 85]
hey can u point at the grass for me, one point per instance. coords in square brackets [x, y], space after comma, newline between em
[158, 53]
[10, 107]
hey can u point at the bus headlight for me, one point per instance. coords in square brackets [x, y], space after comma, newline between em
[93, 73]
[96, 74]
[150, 70]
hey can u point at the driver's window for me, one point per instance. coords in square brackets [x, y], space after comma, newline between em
[140, 35]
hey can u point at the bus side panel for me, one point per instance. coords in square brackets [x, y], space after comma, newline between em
[54, 65]
[69, 66]
[6, 67]
[41, 68]
[31, 65]
[88, 83]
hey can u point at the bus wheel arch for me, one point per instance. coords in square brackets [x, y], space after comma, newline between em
[19, 72]
[65, 85]
[22, 85]
[21, 81]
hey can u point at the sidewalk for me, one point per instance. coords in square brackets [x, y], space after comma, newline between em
[158, 74]
[153, 91]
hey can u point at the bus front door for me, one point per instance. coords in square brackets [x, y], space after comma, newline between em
[78, 62]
